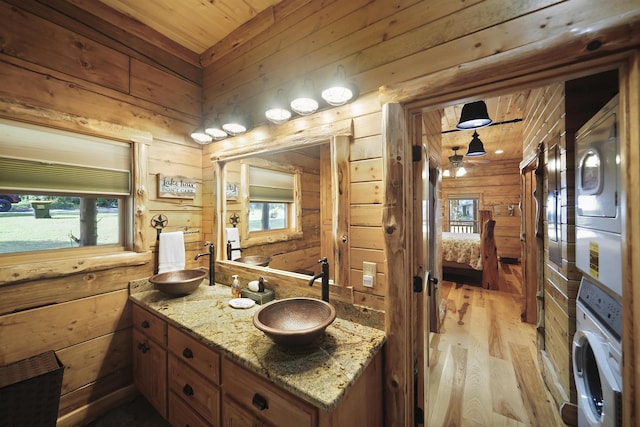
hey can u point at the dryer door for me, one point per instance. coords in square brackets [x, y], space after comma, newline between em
[599, 395]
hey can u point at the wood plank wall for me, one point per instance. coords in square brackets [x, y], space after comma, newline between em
[553, 115]
[383, 44]
[63, 73]
[497, 186]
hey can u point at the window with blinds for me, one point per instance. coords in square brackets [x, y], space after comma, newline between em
[271, 196]
[67, 190]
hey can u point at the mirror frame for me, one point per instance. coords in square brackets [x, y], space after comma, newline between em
[338, 134]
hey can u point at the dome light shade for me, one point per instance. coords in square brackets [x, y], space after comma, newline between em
[476, 148]
[199, 136]
[474, 115]
[277, 111]
[236, 123]
[339, 91]
[304, 103]
[215, 130]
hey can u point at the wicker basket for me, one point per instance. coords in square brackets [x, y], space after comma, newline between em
[30, 391]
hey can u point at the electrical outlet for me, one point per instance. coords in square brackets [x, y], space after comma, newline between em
[368, 274]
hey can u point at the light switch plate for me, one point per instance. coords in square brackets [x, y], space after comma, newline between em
[368, 274]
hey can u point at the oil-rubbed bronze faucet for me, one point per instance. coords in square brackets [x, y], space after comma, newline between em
[324, 273]
[212, 260]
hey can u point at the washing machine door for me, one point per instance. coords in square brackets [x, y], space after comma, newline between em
[599, 392]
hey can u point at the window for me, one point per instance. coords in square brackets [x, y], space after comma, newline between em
[271, 199]
[463, 215]
[61, 190]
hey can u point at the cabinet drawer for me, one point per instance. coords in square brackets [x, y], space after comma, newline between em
[150, 325]
[181, 414]
[194, 389]
[264, 399]
[195, 354]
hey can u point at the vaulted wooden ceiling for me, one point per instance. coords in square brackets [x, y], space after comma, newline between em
[194, 24]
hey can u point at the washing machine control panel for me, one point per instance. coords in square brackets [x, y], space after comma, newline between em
[604, 307]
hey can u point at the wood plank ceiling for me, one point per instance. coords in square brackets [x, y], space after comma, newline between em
[198, 25]
[194, 24]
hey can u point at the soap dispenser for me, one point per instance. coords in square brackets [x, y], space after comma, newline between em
[236, 292]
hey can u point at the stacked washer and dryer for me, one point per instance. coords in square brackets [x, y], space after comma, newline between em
[597, 343]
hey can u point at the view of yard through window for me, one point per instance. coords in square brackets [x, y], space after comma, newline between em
[51, 222]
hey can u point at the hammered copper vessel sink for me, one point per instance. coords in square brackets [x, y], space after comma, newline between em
[260, 261]
[294, 322]
[179, 282]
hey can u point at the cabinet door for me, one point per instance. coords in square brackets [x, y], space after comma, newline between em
[181, 414]
[194, 389]
[150, 371]
[234, 415]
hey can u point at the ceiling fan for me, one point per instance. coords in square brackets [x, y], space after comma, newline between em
[457, 164]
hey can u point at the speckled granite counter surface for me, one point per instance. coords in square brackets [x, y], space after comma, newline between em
[320, 374]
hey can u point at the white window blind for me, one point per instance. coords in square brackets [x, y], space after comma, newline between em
[266, 185]
[38, 159]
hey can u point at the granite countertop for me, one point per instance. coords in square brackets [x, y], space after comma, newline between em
[320, 374]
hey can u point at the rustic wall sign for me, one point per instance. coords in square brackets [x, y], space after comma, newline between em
[177, 187]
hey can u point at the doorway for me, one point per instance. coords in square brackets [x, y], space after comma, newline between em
[531, 176]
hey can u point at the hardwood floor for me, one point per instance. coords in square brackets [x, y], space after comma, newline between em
[484, 366]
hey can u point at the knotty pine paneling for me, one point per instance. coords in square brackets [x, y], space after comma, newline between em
[497, 184]
[22, 36]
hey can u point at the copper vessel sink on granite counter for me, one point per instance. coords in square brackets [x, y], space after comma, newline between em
[320, 374]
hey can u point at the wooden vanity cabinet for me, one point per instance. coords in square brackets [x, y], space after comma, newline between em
[192, 385]
[150, 358]
[248, 396]
[252, 401]
[193, 381]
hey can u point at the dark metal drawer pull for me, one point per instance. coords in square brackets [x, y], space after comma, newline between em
[187, 353]
[187, 390]
[142, 346]
[260, 402]
[145, 324]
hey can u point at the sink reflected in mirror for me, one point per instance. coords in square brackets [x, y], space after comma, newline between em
[260, 261]
[179, 282]
[294, 322]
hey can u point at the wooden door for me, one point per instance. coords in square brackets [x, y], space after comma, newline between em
[529, 239]
[421, 268]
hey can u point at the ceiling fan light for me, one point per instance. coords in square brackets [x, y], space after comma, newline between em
[461, 171]
[474, 115]
[199, 136]
[476, 148]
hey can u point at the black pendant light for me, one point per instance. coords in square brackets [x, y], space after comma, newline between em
[474, 115]
[476, 148]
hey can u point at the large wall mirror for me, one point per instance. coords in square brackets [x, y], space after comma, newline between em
[284, 206]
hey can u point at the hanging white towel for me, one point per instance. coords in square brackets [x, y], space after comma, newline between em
[233, 235]
[171, 254]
